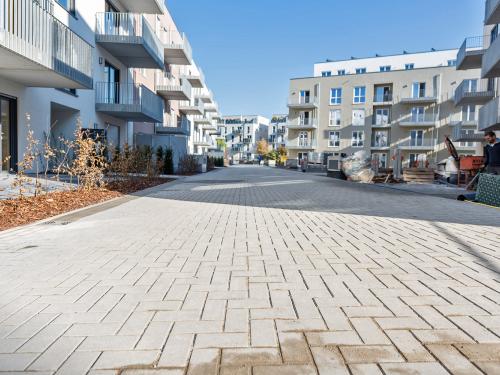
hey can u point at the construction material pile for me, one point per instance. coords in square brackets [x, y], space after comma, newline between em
[358, 167]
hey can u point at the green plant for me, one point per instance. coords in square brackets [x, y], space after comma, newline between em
[188, 164]
[168, 167]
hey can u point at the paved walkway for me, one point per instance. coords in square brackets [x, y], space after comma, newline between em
[257, 271]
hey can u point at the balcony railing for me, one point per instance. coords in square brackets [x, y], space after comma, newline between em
[462, 133]
[489, 116]
[130, 101]
[178, 50]
[380, 143]
[130, 38]
[382, 98]
[29, 30]
[490, 67]
[171, 88]
[204, 142]
[196, 78]
[302, 144]
[417, 144]
[474, 92]
[492, 12]
[303, 102]
[424, 119]
[470, 54]
[191, 108]
[303, 123]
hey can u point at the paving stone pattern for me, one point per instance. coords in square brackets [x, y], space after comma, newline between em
[252, 270]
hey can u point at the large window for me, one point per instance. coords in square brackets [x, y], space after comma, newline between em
[418, 114]
[333, 139]
[358, 117]
[335, 117]
[417, 138]
[469, 113]
[380, 138]
[418, 90]
[382, 116]
[336, 96]
[305, 96]
[359, 95]
[358, 139]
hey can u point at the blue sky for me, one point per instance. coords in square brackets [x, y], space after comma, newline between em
[249, 49]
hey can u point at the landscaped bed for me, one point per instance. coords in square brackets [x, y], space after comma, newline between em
[26, 210]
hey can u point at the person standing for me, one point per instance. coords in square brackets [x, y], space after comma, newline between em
[492, 153]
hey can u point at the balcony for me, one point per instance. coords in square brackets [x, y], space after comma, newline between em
[202, 120]
[470, 55]
[297, 102]
[211, 107]
[385, 99]
[247, 141]
[195, 78]
[177, 49]
[190, 108]
[380, 144]
[37, 50]
[492, 12]
[301, 145]
[463, 134]
[144, 6]
[129, 101]
[203, 142]
[206, 97]
[417, 145]
[489, 116]
[171, 89]
[162, 129]
[419, 99]
[472, 92]
[281, 131]
[419, 120]
[210, 127]
[491, 60]
[303, 124]
[130, 38]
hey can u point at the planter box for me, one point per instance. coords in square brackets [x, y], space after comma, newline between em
[271, 163]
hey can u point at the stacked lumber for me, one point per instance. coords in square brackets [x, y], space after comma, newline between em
[418, 175]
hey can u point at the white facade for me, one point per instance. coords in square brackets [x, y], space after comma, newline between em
[241, 134]
[382, 63]
[128, 67]
[278, 131]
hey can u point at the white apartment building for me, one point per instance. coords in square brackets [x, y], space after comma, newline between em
[482, 52]
[380, 104]
[120, 67]
[241, 133]
[278, 131]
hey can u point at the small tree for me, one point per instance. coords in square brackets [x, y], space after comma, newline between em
[168, 167]
[262, 148]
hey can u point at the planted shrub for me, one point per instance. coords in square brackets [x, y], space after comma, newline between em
[188, 164]
[168, 167]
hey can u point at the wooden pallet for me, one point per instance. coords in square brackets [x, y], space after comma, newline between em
[418, 175]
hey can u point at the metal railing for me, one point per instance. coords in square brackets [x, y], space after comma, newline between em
[131, 25]
[474, 43]
[129, 94]
[475, 88]
[169, 82]
[28, 28]
[178, 40]
[417, 118]
[381, 98]
[300, 100]
[418, 143]
[187, 104]
[301, 144]
[303, 122]
[187, 73]
[381, 142]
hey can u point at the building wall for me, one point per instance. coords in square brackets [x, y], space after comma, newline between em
[441, 81]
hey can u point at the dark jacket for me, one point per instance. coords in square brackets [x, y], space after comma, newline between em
[492, 155]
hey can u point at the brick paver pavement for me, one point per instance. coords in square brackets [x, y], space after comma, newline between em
[256, 271]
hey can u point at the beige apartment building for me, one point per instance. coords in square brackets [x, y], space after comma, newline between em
[380, 105]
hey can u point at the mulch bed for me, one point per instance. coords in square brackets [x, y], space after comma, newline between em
[16, 212]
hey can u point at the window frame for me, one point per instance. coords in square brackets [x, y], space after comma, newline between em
[341, 72]
[70, 7]
[360, 70]
[336, 100]
[337, 141]
[410, 66]
[360, 141]
[332, 120]
[359, 98]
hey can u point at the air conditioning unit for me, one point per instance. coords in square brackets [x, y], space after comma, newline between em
[333, 164]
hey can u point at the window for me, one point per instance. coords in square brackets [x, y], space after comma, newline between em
[468, 144]
[469, 113]
[303, 139]
[410, 66]
[341, 72]
[417, 138]
[326, 74]
[335, 117]
[382, 116]
[452, 62]
[380, 139]
[359, 95]
[386, 68]
[305, 118]
[418, 114]
[383, 94]
[69, 5]
[418, 90]
[305, 97]
[333, 139]
[358, 117]
[417, 160]
[360, 70]
[358, 139]
[336, 96]
[493, 34]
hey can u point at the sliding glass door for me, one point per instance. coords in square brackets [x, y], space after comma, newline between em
[8, 134]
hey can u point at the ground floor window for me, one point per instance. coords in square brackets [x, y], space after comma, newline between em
[358, 139]
[334, 139]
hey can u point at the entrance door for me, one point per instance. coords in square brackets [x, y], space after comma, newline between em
[8, 134]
